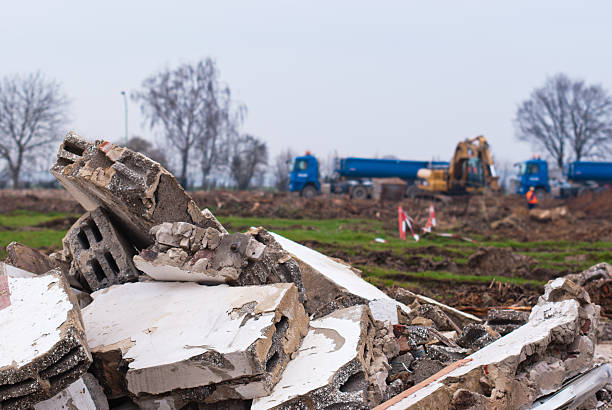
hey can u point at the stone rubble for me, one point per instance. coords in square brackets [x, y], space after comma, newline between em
[153, 304]
[556, 344]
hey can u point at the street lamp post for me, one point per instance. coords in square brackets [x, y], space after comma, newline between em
[123, 93]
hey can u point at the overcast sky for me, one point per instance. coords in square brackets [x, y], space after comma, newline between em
[369, 78]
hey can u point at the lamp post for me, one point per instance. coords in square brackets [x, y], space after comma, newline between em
[123, 93]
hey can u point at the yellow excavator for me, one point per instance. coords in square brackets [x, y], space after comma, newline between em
[470, 171]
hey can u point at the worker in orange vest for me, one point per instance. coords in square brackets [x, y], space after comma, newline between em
[532, 200]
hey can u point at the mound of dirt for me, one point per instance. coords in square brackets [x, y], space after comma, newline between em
[502, 261]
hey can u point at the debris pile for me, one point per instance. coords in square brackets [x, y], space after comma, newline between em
[153, 304]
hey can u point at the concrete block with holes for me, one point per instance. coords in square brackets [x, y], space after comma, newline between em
[42, 341]
[101, 256]
[193, 342]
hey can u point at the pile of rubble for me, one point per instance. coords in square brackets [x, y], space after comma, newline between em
[152, 304]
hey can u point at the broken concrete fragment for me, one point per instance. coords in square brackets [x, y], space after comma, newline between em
[138, 191]
[331, 285]
[337, 366]
[212, 257]
[504, 321]
[42, 338]
[476, 336]
[446, 354]
[554, 345]
[28, 259]
[440, 320]
[459, 318]
[193, 342]
[100, 255]
[84, 394]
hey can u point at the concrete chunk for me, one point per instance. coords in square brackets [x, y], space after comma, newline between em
[554, 345]
[185, 252]
[100, 255]
[26, 258]
[197, 343]
[84, 394]
[331, 285]
[42, 338]
[337, 366]
[138, 191]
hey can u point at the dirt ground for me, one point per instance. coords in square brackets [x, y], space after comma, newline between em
[488, 217]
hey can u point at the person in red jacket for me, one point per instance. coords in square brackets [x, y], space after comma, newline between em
[532, 200]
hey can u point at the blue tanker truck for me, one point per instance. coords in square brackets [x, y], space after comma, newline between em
[352, 175]
[578, 176]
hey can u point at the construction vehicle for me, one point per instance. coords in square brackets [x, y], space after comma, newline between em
[470, 171]
[353, 175]
[578, 177]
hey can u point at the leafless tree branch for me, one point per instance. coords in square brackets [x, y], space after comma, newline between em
[32, 112]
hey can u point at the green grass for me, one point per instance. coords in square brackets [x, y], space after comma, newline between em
[22, 219]
[45, 238]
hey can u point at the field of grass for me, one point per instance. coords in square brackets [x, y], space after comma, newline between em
[354, 239]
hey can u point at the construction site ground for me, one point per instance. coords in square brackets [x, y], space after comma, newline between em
[508, 260]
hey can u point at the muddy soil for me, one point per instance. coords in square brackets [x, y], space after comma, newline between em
[492, 216]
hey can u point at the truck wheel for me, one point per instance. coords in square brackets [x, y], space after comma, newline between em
[309, 192]
[359, 192]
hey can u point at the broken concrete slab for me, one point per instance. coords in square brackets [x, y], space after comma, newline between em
[203, 343]
[513, 371]
[29, 259]
[100, 254]
[331, 285]
[337, 366]
[138, 191]
[84, 394]
[42, 338]
[185, 252]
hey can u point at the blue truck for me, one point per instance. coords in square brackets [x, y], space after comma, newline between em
[353, 175]
[578, 177]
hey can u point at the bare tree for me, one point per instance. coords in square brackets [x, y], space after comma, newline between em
[283, 165]
[191, 108]
[568, 119]
[32, 112]
[145, 147]
[249, 156]
[222, 122]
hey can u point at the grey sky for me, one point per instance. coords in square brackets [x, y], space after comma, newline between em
[365, 78]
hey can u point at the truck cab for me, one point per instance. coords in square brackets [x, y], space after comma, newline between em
[304, 178]
[532, 173]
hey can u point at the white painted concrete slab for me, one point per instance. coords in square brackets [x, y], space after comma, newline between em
[345, 278]
[331, 343]
[74, 397]
[31, 324]
[161, 326]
